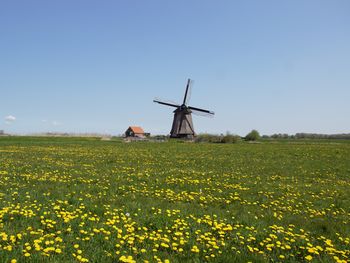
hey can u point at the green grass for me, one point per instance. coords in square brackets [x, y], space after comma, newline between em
[271, 201]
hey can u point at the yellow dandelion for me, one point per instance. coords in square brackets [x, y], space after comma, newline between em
[308, 257]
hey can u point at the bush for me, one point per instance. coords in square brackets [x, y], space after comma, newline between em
[252, 136]
[205, 137]
[229, 138]
[213, 138]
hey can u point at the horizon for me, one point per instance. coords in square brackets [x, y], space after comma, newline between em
[92, 67]
[92, 134]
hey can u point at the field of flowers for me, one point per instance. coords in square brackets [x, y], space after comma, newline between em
[85, 200]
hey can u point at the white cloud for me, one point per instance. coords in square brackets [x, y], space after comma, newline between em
[9, 119]
[56, 123]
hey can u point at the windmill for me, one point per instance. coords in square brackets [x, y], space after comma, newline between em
[182, 123]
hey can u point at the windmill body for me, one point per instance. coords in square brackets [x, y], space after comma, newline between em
[182, 123]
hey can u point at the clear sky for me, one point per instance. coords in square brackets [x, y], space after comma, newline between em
[95, 66]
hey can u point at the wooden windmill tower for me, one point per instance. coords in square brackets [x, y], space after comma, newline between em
[182, 123]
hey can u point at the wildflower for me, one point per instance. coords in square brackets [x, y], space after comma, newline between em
[308, 257]
[195, 249]
[127, 259]
[164, 245]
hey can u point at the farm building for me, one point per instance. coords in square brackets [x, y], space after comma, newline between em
[135, 131]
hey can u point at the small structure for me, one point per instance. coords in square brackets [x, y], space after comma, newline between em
[135, 131]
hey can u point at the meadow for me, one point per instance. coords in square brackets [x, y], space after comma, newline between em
[86, 200]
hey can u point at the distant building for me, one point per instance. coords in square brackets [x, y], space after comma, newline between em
[2, 132]
[135, 131]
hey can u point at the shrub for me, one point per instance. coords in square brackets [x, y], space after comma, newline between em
[205, 137]
[252, 136]
[213, 138]
[230, 138]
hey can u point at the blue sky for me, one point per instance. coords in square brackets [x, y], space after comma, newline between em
[95, 66]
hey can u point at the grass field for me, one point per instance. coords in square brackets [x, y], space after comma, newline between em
[73, 199]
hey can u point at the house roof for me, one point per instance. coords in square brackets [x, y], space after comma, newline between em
[136, 129]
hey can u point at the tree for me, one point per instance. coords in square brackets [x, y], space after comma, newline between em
[253, 136]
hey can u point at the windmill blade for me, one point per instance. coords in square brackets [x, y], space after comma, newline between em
[188, 91]
[201, 113]
[201, 110]
[167, 103]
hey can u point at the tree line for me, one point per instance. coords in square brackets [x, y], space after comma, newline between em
[254, 135]
[341, 136]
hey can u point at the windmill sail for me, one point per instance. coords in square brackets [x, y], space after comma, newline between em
[203, 114]
[201, 110]
[166, 103]
[188, 92]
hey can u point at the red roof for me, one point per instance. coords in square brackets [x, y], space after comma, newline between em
[136, 129]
